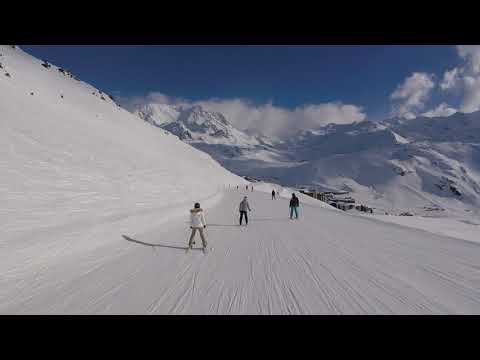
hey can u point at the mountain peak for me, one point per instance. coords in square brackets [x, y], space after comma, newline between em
[195, 124]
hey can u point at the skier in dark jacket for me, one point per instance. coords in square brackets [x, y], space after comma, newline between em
[273, 194]
[294, 204]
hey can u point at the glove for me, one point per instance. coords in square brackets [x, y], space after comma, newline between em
[204, 226]
[191, 227]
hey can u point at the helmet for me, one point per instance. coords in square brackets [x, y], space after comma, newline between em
[197, 206]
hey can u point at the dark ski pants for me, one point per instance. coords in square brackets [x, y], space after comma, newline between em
[194, 231]
[243, 213]
[292, 210]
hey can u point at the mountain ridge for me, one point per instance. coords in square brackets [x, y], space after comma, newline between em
[430, 162]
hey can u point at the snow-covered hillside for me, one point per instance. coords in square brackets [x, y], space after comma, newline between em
[75, 165]
[428, 166]
[395, 166]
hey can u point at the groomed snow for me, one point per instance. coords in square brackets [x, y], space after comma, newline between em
[457, 228]
[328, 262]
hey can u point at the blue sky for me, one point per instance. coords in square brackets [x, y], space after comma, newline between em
[287, 76]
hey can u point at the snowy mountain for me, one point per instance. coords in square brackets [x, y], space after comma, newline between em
[212, 133]
[158, 114]
[458, 127]
[195, 124]
[394, 165]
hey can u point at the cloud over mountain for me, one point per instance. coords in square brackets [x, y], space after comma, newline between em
[441, 110]
[411, 95]
[267, 118]
[465, 78]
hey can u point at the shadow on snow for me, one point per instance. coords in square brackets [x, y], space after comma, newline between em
[156, 245]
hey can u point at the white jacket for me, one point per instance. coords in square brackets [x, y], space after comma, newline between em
[197, 219]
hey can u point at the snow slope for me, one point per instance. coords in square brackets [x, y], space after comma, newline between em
[75, 164]
[328, 262]
[457, 228]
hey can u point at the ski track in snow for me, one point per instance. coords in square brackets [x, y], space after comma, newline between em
[315, 265]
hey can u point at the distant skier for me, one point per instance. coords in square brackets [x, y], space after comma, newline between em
[237, 187]
[244, 206]
[246, 187]
[294, 204]
[252, 188]
[273, 194]
[197, 222]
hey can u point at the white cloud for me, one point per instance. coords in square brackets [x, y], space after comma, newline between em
[133, 102]
[471, 99]
[409, 115]
[265, 118]
[450, 79]
[471, 78]
[466, 78]
[471, 54]
[411, 95]
[274, 120]
[441, 110]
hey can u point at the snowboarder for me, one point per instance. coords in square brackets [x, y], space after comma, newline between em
[244, 206]
[294, 204]
[197, 222]
[273, 194]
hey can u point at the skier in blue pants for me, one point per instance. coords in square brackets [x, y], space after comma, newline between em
[294, 204]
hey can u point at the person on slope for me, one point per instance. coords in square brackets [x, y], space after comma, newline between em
[197, 222]
[273, 194]
[294, 204]
[244, 206]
